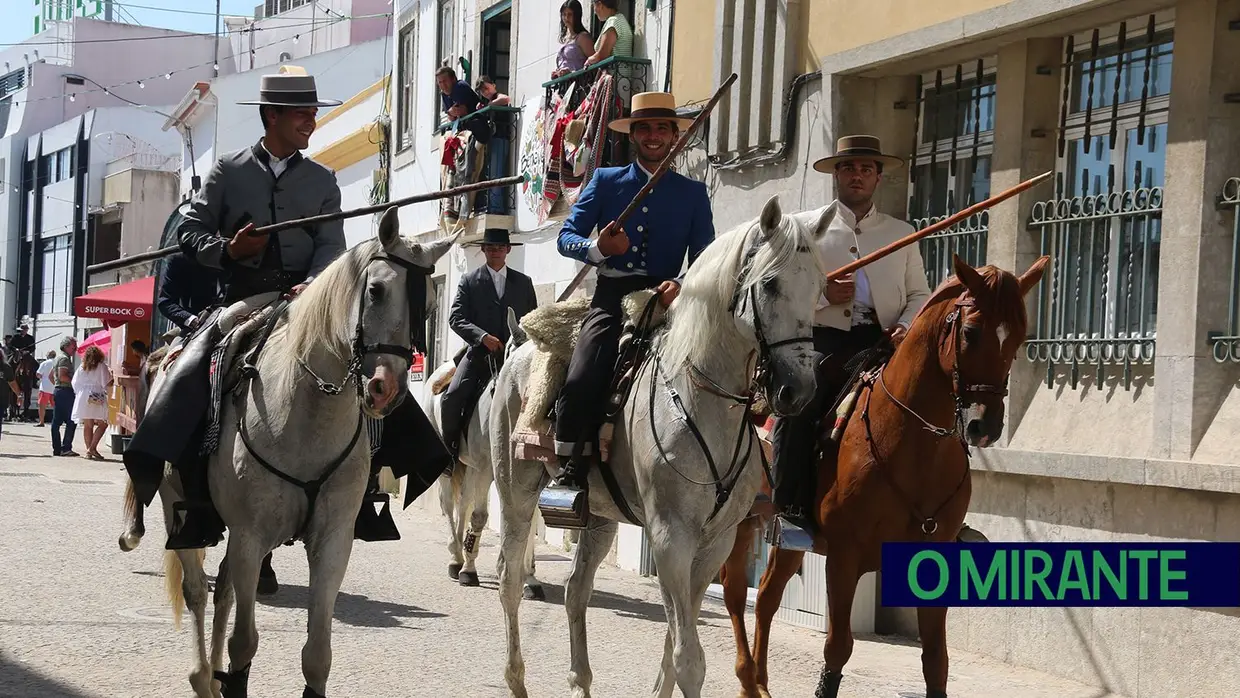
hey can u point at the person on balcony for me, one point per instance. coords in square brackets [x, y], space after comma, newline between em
[464, 150]
[616, 36]
[487, 90]
[575, 41]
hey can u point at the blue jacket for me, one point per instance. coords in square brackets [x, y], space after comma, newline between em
[673, 222]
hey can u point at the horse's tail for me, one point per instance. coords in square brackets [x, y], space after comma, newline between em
[174, 576]
[449, 495]
[133, 527]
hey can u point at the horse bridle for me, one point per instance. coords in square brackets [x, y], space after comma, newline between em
[415, 289]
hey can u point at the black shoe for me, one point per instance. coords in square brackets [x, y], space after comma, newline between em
[267, 582]
[202, 528]
[572, 476]
[375, 526]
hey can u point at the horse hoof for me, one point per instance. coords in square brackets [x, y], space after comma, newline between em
[534, 592]
[311, 693]
[128, 542]
[763, 692]
[454, 570]
[468, 579]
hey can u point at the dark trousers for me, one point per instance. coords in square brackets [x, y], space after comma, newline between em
[583, 399]
[472, 375]
[795, 439]
[62, 413]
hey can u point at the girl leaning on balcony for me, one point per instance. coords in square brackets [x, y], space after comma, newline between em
[575, 43]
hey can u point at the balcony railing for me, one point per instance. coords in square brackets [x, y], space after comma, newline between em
[1226, 345]
[499, 158]
[629, 77]
[1102, 300]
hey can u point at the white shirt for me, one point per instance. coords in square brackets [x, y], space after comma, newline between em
[846, 222]
[45, 376]
[596, 256]
[277, 165]
[500, 279]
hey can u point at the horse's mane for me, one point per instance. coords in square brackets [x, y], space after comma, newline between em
[1003, 301]
[699, 316]
[322, 314]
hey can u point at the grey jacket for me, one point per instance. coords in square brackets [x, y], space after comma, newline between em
[241, 183]
[476, 312]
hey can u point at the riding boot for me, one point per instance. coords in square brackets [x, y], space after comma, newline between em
[311, 693]
[375, 526]
[792, 528]
[565, 503]
[201, 525]
[828, 684]
[267, 582]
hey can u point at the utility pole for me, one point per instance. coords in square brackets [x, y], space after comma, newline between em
[216, 63]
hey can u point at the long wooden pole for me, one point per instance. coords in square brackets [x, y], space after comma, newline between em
[153, 255]
[937, 227]
[654, 177]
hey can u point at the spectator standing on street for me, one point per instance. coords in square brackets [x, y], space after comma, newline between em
[62, 399]
[90, 409]
[46, 386]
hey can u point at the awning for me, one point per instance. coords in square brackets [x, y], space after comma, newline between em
[119, 304]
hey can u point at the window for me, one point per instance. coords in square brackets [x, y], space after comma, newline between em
[59, 165]
[445, 55]
[950, 171]
[57, 275]
[1104, 228]
[408, 65]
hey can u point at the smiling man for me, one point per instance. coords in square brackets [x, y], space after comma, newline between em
[672, 223]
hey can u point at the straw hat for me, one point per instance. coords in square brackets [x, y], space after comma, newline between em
[651, 106]
[291, 87]
[855, 147]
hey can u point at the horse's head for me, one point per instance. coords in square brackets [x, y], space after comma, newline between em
[979, 339]
[397, 297]
[781, 278]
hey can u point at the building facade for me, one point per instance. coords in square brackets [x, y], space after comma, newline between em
[1121, 419]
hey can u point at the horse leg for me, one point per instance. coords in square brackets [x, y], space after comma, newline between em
[932, 626]
[135, 526]
[533, 590]
[592, 547]
[735, 597]
[186, 585]
[842, 579]
[219, 623]
[781, 565]
[517, 505]
[479, 499]
[449, 501]
[328, 556]
[244, 560]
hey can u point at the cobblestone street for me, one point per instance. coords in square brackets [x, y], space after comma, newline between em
[80, 618]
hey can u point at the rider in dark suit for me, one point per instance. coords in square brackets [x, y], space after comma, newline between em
[188, 289]
[480, 317]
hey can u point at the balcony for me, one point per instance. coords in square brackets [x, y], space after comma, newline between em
[628, 77]
[494, 207]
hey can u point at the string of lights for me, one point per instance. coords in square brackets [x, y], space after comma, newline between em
[172, 34]
[141, 83]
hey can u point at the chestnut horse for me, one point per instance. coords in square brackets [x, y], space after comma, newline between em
[902, 471]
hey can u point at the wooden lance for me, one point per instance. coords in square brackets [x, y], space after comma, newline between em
[153, 255]
[654, 178]
[937, 227]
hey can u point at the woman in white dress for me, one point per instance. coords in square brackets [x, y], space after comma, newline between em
[90, 409]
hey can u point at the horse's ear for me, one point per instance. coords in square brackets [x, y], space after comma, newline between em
[826, 219]
[967, 275]
[772, 216]
[439, 248]
[1033, 275]
[389, 228]
[514, 328]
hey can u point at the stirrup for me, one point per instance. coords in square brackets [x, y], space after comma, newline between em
[564, 507]
[970, 535]
[372, 526]
[782, 533]
[234, 684]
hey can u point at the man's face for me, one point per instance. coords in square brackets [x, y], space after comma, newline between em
[856, 180]
[445, 83]
[487, 90]
[295, 125]
[654, 139]
[496, 255]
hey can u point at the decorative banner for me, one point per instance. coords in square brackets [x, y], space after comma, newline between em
[532, 164]
[1202, 575]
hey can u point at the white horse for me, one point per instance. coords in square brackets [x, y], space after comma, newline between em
[752, 291]
[352, 323]
[464, 495]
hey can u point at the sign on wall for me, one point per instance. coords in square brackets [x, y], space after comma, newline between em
[56, 10]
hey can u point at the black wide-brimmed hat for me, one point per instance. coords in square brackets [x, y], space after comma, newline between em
[858, 147]
[496, 236]
[291, 87]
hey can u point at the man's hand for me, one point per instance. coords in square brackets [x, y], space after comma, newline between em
[296, 290]
[456, 111]
[668, 290]
[243, 245]
[840, 291]
[492, 343]
[897, 334]
[613, 241]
